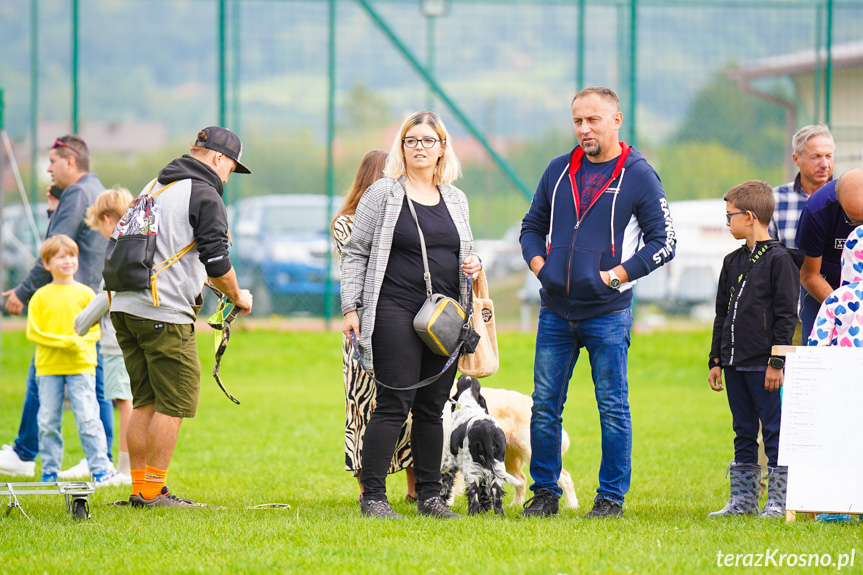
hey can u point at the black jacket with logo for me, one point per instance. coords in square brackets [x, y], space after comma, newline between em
[763, 310]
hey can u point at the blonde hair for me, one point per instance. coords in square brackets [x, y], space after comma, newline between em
[52, 246]
[112, 203]
[447, 169]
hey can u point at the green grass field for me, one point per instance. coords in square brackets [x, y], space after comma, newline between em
[284, 444]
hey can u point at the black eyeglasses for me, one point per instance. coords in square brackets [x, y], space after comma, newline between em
[849, 221]
[426, 142]
[728, 216]
[59, 144]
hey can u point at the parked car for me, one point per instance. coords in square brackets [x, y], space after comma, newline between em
[283, 252]
[19, 243]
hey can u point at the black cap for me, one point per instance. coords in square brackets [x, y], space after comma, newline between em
[226, 142]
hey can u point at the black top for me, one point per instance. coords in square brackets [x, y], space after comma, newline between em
[763, 311]
[403, 281]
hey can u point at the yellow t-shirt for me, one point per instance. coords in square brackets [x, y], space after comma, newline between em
[51, 326]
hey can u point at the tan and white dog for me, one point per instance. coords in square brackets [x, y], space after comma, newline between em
[511, 410]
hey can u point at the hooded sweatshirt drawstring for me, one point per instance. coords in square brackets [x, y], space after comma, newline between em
[572, 168]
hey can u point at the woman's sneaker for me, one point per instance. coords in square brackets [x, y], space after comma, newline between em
[435, 507]
[164, 499]
[377, 508]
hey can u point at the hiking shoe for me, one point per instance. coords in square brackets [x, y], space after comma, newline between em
[78, 471]
[435, 507]
[110, 478]
[48, 477]
[542, 504]
[11, 464]
[604, 508]
[164, 499]
[377, 508]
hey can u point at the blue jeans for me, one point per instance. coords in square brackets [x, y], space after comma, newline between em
[82, 396]
[558, 343]
[808, 313]
[27, 443]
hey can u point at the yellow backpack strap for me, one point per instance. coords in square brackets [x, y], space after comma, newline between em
[162, 266]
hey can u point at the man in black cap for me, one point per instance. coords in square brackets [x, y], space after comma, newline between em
[157, 335]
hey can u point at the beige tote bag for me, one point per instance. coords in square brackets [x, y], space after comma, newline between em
[484, 361]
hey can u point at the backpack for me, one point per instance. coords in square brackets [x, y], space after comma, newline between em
[132, 248]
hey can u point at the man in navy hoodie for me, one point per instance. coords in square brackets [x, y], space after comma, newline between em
[599, 221]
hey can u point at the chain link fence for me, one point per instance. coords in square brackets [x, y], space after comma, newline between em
[711, 92]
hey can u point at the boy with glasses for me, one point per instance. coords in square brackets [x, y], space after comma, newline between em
[756, 308]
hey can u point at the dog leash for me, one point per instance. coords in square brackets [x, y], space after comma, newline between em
[221, 321]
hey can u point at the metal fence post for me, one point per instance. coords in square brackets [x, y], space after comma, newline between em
[75, 47]
[2, 194]
[331, 129]
[828, 69]
[34, 98]
[633, 71]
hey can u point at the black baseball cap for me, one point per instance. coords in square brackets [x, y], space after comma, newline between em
[226, 142]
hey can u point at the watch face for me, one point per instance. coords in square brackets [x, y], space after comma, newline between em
[614, 283]
[777, 363]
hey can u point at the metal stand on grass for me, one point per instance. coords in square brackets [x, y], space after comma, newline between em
[77, 494]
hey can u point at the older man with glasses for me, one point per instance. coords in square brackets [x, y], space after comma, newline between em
[69, 166]
[828, 217]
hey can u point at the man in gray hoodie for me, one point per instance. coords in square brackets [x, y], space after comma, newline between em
[70, 170]
[155, 328]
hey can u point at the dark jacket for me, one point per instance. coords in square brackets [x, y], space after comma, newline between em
[69, 220]
[761, 314]
[628, 224]
[207, 214]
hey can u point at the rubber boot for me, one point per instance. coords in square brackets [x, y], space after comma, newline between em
[745, 478]
[775, 506]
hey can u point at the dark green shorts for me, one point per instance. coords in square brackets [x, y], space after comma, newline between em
[162, 361]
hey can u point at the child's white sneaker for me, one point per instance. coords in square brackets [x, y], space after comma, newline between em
[110, 478]
[77, 471]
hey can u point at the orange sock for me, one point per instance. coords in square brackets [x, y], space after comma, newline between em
[154, 481]
[137, 481]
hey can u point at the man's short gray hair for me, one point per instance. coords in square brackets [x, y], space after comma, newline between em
[801, 138]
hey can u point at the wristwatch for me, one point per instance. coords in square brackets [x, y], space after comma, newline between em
[613, 280]
[776, 362]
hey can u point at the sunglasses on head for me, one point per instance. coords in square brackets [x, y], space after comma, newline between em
[59, 144]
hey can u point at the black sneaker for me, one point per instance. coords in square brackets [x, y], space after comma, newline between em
[164, 499]
[435, 507]
[542, 504]
[377, 508]
[604, 508]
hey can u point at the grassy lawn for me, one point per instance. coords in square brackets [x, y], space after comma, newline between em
[284, 444]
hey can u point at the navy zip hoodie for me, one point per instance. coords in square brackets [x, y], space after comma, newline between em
[628, 224]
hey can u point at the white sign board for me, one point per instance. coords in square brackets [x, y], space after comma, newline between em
[821, 440]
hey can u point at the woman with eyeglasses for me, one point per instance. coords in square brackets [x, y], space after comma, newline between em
[382, 290]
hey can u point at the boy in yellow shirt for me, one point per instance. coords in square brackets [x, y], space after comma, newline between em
[63, 358]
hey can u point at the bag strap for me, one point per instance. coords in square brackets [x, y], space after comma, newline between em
[428, 380]
[426, 274]
[753, 259]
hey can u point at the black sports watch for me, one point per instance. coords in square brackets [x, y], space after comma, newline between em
[613, 280]
[776, 362]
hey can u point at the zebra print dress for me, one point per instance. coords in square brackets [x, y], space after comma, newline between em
[360, 390]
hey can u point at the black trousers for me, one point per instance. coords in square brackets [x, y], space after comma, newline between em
[749, 403]
[402, 359]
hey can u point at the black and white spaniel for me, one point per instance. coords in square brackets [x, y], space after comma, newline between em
[476, 446]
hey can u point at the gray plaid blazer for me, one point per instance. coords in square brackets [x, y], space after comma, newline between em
[365, 255]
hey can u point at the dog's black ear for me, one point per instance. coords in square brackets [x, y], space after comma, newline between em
[499, 444]
[475, 386]
[456, 439]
